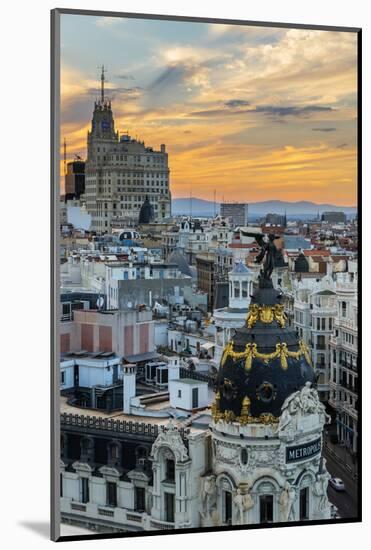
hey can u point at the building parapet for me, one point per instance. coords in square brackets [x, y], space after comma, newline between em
[118, 426]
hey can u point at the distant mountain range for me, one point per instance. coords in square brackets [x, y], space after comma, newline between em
[301, 209]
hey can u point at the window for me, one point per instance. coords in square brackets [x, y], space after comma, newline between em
[111, 494]
[321, 342]
[343, 309]
[266, 508]
[114, 451]
[84, 488]
[194, 398]
[170, 469]
[227, 507]
[179, 393]
[304, 503]
[244, 456]
[63, 377]
[169, 507]
[140, 493]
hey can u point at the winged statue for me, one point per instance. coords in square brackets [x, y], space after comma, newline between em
[268, 250]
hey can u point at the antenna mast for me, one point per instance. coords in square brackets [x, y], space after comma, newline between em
[102, 79]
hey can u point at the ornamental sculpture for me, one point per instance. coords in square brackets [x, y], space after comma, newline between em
[243, 502]
[251, 351]
[304, 401]
[287, 500]
[266, 314]
[268, 252]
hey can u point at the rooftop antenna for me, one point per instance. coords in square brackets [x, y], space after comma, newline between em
[190, 203]
[65, 156]
[102, 79]
[214, 203]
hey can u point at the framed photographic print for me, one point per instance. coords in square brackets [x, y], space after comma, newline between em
[206, 322]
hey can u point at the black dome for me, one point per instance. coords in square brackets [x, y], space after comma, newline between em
[301, 264]
[264, 362]
[146, 214]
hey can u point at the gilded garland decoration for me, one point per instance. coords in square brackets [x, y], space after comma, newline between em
[251, 351]
[266, 314]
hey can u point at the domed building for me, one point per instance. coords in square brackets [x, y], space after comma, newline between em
[267, 463]
[146, 213]
[301, 264]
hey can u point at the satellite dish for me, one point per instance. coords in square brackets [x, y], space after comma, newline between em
[100, 302]
[130, 305]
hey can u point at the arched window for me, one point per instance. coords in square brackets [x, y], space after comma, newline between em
[113, 451]
[266, 490]
[226, 495]
[236, 289]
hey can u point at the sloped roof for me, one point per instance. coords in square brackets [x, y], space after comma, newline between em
[176, 257]
[239, 268]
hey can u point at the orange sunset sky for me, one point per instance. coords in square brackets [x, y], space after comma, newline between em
[254, 113]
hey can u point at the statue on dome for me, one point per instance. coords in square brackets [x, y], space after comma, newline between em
[268, 251]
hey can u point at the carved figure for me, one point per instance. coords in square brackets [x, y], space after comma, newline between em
[209, 493]
[320, 489]
[243, 501]
[306, 401]
[287, 499]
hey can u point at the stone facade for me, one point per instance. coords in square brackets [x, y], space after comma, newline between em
[121, 172]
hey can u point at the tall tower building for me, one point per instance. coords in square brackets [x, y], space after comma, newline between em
[121, 172]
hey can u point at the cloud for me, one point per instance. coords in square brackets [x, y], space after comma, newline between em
[124, 76]
[236, 103]
[227, 103]
[269, 110]
[108, 21]
[324, 129]
[169, 77]
[115, 90]
[279, 111]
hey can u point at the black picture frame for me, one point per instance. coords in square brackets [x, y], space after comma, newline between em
[54, 298]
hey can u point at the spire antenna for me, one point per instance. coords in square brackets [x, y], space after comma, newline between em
[102, 79]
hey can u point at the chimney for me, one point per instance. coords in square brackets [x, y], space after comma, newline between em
[129, 385]
[173, 368]
[163, 148]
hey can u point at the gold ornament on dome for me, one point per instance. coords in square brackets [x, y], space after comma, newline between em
[244, 418]
[251, 351]
[266, 314]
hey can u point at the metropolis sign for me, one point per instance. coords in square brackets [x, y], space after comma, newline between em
[303, 452]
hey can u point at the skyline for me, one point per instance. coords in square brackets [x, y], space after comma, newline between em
[256, 113]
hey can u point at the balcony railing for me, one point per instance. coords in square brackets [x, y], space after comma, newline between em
[349, 387]
[105, 512]
[78, 506]
[162, 525]
[134, 517]
[120, 426]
